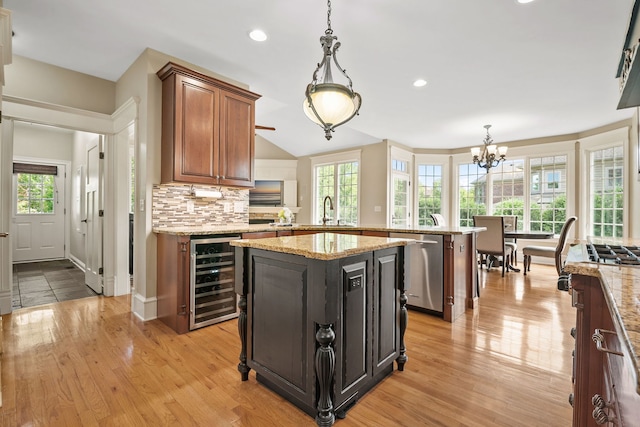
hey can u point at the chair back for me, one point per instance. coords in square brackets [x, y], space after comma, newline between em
[510, 222]
[562, 240]
[490, 241]
[438, 220]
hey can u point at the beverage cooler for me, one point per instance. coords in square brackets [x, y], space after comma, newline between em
[213, 298]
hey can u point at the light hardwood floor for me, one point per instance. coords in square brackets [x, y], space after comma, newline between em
[91, 362]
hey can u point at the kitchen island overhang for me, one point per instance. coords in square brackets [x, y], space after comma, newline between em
[322, 317]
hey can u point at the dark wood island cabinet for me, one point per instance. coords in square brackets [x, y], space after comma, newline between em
[322, 316]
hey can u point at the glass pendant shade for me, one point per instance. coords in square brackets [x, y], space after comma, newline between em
[334, 104]
[326, 103]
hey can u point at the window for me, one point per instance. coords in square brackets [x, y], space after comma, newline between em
[35, 194]
[340, 181]
[507, 189]
[472, 193]
[429, 192]
[531, 188]
[548, 203]
[607, 192]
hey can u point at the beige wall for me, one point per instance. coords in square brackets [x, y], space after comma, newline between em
[42, 142]
[26, 78]
[268, 151]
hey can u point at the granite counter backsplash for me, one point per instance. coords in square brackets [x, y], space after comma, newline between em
[174, 205]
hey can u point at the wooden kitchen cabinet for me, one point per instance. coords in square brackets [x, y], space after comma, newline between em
[195, 280]
[460, 275]
[208, 129]
[259, 235]
[604, 390]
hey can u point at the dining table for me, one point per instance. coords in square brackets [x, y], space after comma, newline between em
[521, 234]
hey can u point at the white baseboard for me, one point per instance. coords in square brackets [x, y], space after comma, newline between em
[145, 308]
[77, 262]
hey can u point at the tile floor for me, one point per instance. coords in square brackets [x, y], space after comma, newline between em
[45, 282]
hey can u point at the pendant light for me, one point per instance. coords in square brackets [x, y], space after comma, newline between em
[327, 103]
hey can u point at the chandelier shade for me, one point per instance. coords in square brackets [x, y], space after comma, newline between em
[327, 103]
[488, 156]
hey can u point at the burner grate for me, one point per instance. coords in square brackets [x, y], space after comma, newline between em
[614, 254]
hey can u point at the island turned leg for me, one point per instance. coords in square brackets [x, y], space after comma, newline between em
[325, 368]
[242, 331]
[404, 318]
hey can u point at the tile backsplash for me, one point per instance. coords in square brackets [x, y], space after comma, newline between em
[175, 206]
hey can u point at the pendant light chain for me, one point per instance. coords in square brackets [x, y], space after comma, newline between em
[329, 30]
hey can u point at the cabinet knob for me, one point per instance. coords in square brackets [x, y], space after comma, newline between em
[449, 300]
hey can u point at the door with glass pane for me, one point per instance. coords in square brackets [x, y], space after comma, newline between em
[38, 213]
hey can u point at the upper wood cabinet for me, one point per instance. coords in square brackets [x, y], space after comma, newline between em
[208, 129]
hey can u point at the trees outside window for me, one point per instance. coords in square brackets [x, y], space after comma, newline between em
[429, 192]
[35, 194]
[607, 192]
[340, 182]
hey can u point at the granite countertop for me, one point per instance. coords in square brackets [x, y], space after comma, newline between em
[249, 228]
[323, 246]
[621, 287]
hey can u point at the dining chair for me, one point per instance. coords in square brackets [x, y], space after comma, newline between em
[490, 243]
[549, 252]
[511, 224]
[438, 220]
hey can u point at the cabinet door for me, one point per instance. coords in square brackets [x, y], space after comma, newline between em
[236, 140]
[196, 136]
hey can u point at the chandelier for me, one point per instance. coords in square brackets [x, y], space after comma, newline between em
[327, 103]
[487, 158]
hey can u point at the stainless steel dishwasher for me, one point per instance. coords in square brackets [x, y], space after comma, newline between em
[427, 279]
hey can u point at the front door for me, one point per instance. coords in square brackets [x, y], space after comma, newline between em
[93, 200]
[38, 211]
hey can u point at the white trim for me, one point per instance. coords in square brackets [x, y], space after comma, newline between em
[144, 308]
[341, 157]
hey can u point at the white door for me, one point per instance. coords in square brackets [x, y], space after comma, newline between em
[38, 213]
[93, 200]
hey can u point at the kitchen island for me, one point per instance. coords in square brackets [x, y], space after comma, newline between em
[322, 316]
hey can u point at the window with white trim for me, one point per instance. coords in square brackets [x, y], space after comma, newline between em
[607, 192]
[429, 192]
[338, 179]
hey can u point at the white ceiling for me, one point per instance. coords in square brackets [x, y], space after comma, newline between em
[540, 69]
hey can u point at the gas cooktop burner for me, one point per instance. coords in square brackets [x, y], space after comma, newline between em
[614, 254]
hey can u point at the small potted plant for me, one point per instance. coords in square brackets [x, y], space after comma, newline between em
[285, 216]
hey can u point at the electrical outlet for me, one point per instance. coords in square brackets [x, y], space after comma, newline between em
[227, 207]
[141, 205]
[238, 207]
[377, 208]
[190, 206]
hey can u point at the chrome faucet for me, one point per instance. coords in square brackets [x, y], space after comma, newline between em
[325, 219]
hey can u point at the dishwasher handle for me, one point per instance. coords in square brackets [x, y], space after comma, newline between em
[427, 242]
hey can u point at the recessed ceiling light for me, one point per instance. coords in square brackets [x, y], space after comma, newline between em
[524, 1]
[258, 35]
[420, 83]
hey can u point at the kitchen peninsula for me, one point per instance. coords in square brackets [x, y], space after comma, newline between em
[459, 287]
[322, 316]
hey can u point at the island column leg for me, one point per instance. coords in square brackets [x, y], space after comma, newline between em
[243, 368]
[325, 368]
[404, 319]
